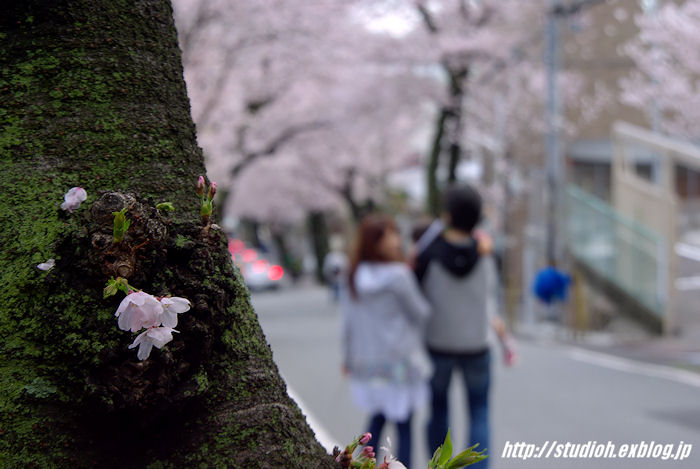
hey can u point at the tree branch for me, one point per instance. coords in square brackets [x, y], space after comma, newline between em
[574, 7]
[271, 148]
[428, 19]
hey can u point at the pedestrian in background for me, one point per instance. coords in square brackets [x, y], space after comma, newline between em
[459, 281]
[335, 266]
[384, 314]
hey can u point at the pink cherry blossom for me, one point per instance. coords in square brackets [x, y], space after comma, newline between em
[173, 306]
[139, 310]
[391, 464]
[155, 336]
[73, 198]
[663, 80]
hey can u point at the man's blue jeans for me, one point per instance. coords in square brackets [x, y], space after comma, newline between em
[476, 372]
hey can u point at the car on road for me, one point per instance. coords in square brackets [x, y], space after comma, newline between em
[258, 271]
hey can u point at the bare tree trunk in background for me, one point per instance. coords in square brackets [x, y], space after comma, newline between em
[433, 192]
[92, 95]
[318, 228]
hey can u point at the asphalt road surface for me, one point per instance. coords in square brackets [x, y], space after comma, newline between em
[554, 395]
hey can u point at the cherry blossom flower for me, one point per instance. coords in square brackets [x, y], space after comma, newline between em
[139, 310]
[73, 198]
[391, 464]
[172, 306]
[48, 265]
[155, 336]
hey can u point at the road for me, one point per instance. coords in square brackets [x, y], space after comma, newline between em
[555, 393]
[687, 285]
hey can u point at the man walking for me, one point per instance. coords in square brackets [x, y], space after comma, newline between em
[460, 284]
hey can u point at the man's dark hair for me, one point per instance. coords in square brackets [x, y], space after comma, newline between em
[463, 204]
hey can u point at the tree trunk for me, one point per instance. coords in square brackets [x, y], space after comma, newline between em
[319, 238]
[93, 96]
[458, 76]
[447, 127]
[433, 192]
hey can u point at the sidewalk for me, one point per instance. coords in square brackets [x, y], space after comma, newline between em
[623, 338]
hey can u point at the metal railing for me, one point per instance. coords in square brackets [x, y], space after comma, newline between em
[624, 252]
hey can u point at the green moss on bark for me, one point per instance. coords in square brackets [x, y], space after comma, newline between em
[91, 94]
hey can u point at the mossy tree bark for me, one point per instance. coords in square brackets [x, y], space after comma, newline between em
[92, 95]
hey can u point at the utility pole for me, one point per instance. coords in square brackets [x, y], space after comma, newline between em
[554, 168]
[553, 113]
[650, 8]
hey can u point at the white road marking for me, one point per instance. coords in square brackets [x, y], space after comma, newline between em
[688, 283]
[688, 251]
[322, 435]
[632, 366]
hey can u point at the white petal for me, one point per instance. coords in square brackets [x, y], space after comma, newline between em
[48, 265]
[160, 335]
[139, 339]
[144, 350]
[168, 319]
[80, 194]
[123, 322]
[73, 198]
[139, 298]
[176, 304]
[123, 305]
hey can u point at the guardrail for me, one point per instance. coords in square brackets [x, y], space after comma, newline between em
[620, 250]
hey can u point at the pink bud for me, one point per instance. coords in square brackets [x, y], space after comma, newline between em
[200, 185]
[368, 452]
[364, 439]
[212, 190]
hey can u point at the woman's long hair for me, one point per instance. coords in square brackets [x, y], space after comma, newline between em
[369, 234]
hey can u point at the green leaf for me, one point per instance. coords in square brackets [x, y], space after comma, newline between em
[110, 289]
[433, 464]
[446, 450]
[207, 208]
[121, 225]
[113, 286]
[466, 458]
[166, 206]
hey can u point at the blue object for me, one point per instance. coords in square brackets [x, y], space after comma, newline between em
[551, 285]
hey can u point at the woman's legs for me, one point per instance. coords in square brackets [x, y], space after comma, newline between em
[376, 423]
[404, 451]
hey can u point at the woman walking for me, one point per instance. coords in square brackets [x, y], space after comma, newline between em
[383, 317]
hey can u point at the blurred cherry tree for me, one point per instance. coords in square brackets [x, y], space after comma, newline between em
[666, 78]
[317, 102]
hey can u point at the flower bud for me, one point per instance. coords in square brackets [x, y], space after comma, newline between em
[200, 186]
[212, 190]
[364, 439]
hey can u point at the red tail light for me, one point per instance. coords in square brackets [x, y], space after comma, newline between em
[275, 272]
[249, 255]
